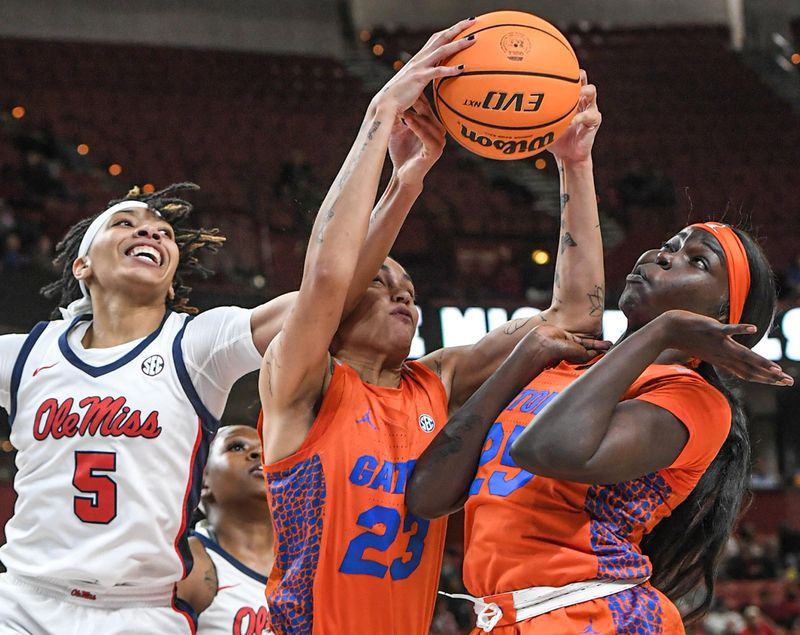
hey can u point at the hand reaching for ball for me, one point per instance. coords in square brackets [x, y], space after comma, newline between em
[576, 143]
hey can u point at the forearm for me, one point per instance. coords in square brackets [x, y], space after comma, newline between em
[386, 221]
[341, 224]
[583, 412]
[443, 474]
[578, 285]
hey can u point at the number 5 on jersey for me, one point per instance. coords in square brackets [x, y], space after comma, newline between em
[100, 507]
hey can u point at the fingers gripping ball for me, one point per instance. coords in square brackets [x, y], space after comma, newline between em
[519, 89]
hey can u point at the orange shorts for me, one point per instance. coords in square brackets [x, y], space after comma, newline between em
[642, 610]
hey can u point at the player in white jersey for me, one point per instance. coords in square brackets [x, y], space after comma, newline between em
[237, 536]
[113, 408]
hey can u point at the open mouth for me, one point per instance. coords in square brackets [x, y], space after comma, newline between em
[256, 469]
[145, 253]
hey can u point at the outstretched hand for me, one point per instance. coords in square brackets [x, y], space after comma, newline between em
[560, 345]
[712, 341]
[416, 143]
[407, 85]
[575, 144]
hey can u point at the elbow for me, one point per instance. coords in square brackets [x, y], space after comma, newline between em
[325, 277]
[326, 281]
[525, 455]
[417, 505]
[419, 500]
[540, 458]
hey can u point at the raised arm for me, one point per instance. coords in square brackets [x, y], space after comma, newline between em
[415, 144]
[612, 441]
[578, 286]
[296, 367]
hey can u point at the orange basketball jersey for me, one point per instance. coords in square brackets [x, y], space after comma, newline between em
[524, 530]
[349, 557]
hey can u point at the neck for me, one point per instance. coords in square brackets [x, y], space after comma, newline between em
[247, 538]
[115, 321]
[373, 369]
[667, 356]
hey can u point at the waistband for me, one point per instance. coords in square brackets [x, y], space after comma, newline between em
[515, 606]
[86, 594]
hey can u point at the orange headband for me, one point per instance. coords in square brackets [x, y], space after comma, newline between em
[738, 266]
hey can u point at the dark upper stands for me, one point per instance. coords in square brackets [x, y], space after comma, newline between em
[677, 103]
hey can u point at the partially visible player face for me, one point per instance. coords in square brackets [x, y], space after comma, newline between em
[689, 272]
[385, 319]
[233, 471]
[135, 252]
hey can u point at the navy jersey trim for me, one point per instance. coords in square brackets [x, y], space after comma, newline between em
[210, 422]
[98, 371]
[16, 373]
[187, 610]
[208, 425]
[217, 548]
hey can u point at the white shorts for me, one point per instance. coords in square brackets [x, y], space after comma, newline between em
[29, 610]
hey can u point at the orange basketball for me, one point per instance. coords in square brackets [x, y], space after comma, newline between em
[519, 89]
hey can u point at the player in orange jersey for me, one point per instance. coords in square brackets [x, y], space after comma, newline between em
[595, 491]
[346, 416]
[232, 546]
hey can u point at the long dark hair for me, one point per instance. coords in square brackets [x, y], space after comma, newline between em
[191, 242]
[685, 548]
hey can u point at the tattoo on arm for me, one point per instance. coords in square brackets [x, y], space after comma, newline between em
[454, 442]
[437, 364]
[596, 300]
[271, 363]
[210, 578]
[564, 201]
[328, 216]
[373, 129]
[557, 280]
[344, 177]
[375, 213]
[516, 325]
[567, 241]
[452, 446]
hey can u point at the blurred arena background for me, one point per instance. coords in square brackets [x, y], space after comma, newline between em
[258, 102]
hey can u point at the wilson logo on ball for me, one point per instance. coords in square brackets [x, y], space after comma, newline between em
[508, 146]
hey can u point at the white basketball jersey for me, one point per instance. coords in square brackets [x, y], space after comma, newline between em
[109, 460]
[240, 606]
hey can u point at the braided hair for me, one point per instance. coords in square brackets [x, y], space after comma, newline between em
[190, 240]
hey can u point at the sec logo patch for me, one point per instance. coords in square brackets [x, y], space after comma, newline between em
[426, 423]
[153, 365]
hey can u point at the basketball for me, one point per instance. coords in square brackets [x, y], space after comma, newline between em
[519, 89]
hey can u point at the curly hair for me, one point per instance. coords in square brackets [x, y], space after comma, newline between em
[191, 242]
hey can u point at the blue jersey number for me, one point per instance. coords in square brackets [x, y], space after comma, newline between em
[389, 519]
[500, 484]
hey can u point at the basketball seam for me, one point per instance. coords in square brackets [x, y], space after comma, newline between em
[529, 73]
[534, 28]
